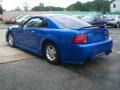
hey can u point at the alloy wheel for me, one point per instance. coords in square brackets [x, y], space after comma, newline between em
[10, 40]
[51, 52]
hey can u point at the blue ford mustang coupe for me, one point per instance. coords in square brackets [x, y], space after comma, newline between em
[60, 38]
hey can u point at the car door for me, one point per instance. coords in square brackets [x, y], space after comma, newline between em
[28, 35]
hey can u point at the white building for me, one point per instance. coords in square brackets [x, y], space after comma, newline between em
[115, 6]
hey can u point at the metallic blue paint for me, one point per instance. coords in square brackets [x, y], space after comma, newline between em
[32, 40]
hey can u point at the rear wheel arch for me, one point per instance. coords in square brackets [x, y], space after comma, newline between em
[48, 41]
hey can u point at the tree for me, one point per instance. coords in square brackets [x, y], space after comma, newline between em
[78, 6]
[102, 5]
[89, 6]
[52, 8]
[18, 9]
[41, 7]
[96, 5]
[26, 6]
[1, 10]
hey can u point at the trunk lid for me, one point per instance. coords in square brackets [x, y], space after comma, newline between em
[95, 34]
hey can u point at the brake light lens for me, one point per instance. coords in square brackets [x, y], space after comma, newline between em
[81, 39]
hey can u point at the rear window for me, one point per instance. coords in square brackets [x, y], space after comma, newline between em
[88, 18]
[70, 22]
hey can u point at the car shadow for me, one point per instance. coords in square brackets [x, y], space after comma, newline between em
[77, 68]
[93, 71]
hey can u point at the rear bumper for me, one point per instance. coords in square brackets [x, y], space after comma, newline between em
[7, 22]
[79, 53]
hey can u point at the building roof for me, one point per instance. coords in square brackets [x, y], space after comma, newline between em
[112, 1]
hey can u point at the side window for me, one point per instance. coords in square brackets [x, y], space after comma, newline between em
[33, 23]
[43, 23]
[36, 23]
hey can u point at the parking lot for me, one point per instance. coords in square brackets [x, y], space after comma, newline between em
[21, 70]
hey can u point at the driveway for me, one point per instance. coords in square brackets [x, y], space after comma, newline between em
[32, 73]
[8, 54]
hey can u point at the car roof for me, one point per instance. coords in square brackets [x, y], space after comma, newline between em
[49, 15]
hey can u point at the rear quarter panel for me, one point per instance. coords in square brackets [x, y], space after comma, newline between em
[59, 36]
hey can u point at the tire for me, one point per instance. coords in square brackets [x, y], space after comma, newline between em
[117, 25]
[51, 53]
[10, 40]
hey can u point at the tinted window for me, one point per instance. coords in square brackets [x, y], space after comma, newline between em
[33, 23]
[70, 22]
[36, 23]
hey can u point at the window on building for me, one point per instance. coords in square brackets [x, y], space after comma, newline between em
[114, 5]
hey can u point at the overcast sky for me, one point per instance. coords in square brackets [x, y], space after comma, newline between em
[12, 4]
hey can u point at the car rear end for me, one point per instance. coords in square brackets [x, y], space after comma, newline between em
[82, 41]
[89, 43]
[113, 20]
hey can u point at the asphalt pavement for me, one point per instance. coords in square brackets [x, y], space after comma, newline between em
[36, 74]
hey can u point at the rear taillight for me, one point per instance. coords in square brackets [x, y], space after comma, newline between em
[81, 39]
